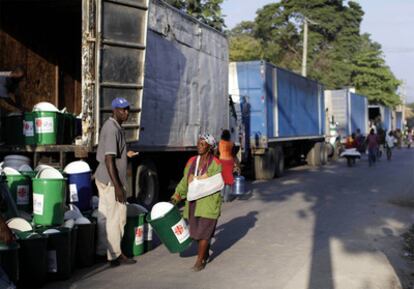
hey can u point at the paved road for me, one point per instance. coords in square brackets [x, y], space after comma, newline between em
[331, 227]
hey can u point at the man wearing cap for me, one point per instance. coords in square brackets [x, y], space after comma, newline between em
[111, 180]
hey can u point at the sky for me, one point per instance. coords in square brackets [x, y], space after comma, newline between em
[390, 23]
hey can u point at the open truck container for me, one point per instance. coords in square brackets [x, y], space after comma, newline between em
[283, 115]
[381, 115]
[80, 54]
[348, 110]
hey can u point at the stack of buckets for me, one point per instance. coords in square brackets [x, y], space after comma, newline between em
[137, 237]
[45, 125]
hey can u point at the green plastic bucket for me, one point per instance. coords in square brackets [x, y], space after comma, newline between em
[29, 129]
[46, 127]
[9, 205]
[133, 239]
[49, 197]
[9, 260]
[20, 189]
[59, 250]
[13, 126]
[32, 259]
[172, 230]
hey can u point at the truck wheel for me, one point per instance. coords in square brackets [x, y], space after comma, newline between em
[314, 156]
[324, 153]
[146, 184]
[265, 165]
[280, 162]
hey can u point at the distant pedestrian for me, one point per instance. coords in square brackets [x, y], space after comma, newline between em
[389, 142]
[409, 138]
[111, 180]
[202, 214]
[372, 143]
[229, 163]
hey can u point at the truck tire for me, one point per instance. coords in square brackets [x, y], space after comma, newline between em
[147, 184]
[280, 162]
[314, 156]
[324, 153]
[265, 165]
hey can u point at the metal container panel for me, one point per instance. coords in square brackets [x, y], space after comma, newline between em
[300, 105]
[399, 120]
[185, 87]
[359, 113]
[387, 118]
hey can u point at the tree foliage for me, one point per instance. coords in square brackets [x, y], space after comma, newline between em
[207, 11]
[338, 55]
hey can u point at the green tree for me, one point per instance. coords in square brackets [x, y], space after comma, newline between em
[207, 11]
[372, 77]
[338, 56]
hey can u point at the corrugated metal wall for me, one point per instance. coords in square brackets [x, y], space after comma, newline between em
[299, 103]
[359, 113]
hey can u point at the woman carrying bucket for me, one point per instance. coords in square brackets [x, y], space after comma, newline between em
[202, 213]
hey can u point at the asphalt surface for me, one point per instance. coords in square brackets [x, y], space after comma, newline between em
[332, 227]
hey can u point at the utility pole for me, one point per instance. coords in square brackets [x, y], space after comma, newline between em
[305, 46]
[306, 22]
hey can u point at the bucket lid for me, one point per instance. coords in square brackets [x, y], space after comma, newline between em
[17, 158]
[16, 113]
[19, 225]
[11, 171]
[51, 232]
[82, 221]
[160, 209]
[134, 210]
[41, 167]
[25, 168]
[45, 106]
[29, 235]
[49, 173]
[77, 167]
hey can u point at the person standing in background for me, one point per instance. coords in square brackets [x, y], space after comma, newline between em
[229, 163]
[372, 142]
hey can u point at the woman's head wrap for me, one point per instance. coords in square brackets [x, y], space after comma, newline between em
[208, 139]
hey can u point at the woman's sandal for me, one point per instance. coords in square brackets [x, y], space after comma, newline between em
[198, 268]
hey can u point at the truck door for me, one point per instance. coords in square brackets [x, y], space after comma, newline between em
[114, 33]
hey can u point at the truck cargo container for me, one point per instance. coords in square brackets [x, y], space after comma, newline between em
[285, 115]
[348, 110]
[399, 122]
[80, 54]
[381, 116]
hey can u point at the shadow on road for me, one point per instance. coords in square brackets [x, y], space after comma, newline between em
[349, 206]
[226, 235]
[229, 233]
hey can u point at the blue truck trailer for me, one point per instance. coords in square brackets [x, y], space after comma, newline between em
[399, 121]
[283, 116]
[80, 54]
[347, 110]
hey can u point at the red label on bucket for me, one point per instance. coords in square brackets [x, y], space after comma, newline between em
[181, 231]
[22, 194]
[139, 235]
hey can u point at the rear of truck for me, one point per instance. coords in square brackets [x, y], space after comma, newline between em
[80, 54]
[286, 114]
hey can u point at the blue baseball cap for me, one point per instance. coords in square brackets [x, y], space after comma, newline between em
[120, 102]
